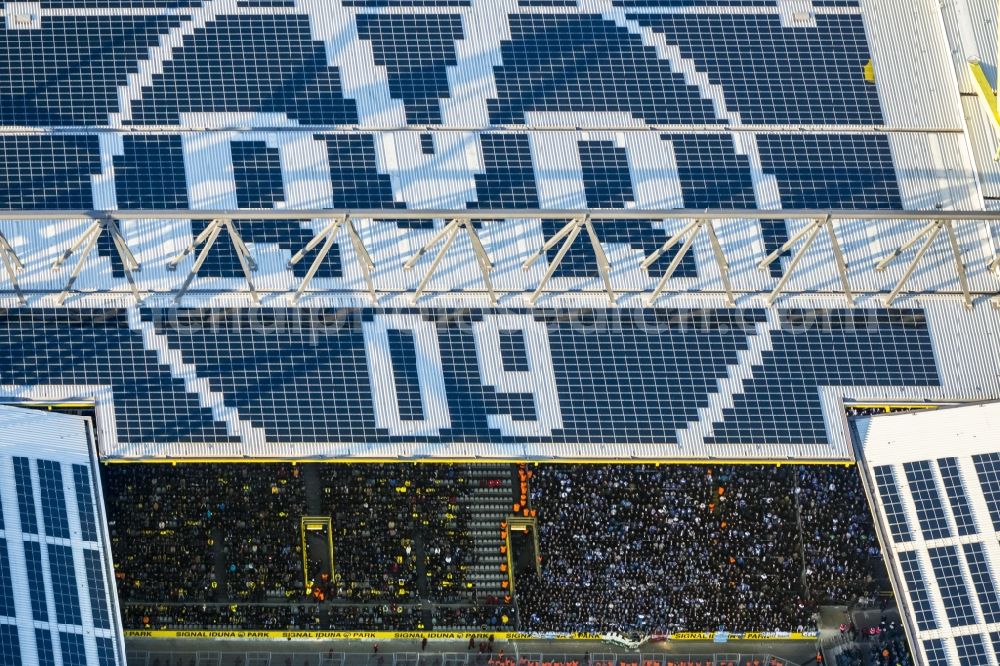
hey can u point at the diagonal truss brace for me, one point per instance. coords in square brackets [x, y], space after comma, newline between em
[689, 233]
[809, 232]
[569, 232]
[88, 241]
[329, 233]
[448, 233]
[11, 264]
[208, 237]
[928, 233]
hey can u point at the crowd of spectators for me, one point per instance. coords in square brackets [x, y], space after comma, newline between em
[839, 544]
[386, 517]
[160, 522]
[221, 544]
[649, 549]
[258, 517]
[633, 549]
[274, 616]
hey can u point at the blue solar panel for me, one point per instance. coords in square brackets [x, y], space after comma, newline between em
[773, 74]
[508, 180]
[416, 50]
[354, 174]
[73, 648]
[403, 351]
[302, 375]
[831, 170]
[960, 509]
[10, 645]
[995, 639]
[97, 347]
[52, 497]
[248, 63]
[106, 652]
[513, 351]
[25, 495]
[6, 583]
[982, 581]
[36, 580]
[150, 173]
[988, 468]
[47, 171]
[937, 655]
[64, 586]
[972, 650]
[427, 144]
[85, 502]
[812, 349]
[257, 172]
[919, 598]
[67, 71]
[930, 511]
[892, 506]
[97, 588]
[951, 585]
[569, 49]
[43, 644]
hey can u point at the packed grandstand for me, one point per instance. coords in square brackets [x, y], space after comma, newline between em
[664, 548]
[520, 318]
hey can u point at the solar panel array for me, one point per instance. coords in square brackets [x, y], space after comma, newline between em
[54, 572]
[939, 537]
[448, 104]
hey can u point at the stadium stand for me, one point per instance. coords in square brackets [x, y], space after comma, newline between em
[405, 533]
[616, 114]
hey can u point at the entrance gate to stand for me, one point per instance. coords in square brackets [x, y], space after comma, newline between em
[405, 659]
[331, 659]
[314, 529]
[454, 659]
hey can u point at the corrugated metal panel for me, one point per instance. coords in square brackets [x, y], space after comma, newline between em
[891, 441]
[985, 141]
[954, 431]
[910, 54]
[971, 30]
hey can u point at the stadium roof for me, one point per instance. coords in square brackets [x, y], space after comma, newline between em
[934, 480]
[816, 156]
[56, 574]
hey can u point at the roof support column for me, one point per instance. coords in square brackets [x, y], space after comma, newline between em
[11, 264]
[928, 234]
[570, 231]
[449, 232]
[208, 238]
[88, 240]
[810, 233]
[689, 233]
